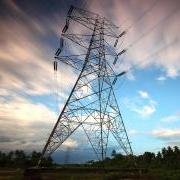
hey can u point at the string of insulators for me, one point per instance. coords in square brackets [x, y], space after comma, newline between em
[120, 53]
[67, 20]
[55, 65]
[122, 34]
[66, 26]
[61, 47]
[120, 74]
[70, 10]
[59, 50]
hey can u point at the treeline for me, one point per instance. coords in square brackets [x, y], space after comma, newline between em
[19, 159]
[168, 158]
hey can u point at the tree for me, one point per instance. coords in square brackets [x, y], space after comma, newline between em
[113, 154]
[20, 158]
[46, 162]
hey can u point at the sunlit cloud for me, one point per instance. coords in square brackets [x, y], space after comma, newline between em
[147, 35]
[166, 134]
[142, 104]
[171, 118]
[133, 132]
[26, 70]
[161, 78]
[24, 65]
[143, 94]
[24, 122]
[70, 143]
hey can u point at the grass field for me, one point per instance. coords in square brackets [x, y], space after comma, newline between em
[87, 174]
[11, 174]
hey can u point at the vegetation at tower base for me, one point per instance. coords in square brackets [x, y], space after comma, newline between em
[163, 165]
[167, 158]
[19, 159]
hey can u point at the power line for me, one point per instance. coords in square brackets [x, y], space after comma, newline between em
[85, 3]
[175, 10]
[172, 13]
[144, 14]
[155, 53]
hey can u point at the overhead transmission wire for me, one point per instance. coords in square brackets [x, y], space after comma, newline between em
[143, 61]
[172, 13]
[152, 28]
[138, 20]
[143, 14]
[175, 10]
[141, 17]
[155, 53]
[56, 89]
[84, 3]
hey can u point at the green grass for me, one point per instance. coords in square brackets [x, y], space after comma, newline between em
[11, 174]
[71, 176]
[152, 174]
[166, 174]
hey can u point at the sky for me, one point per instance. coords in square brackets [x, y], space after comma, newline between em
[148, 96]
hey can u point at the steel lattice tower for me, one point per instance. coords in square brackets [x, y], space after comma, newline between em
[92, 103]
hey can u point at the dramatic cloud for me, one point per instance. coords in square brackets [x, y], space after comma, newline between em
[24, 124]
[26, 69]
[25, 54]
[28, 40]
[153, 32]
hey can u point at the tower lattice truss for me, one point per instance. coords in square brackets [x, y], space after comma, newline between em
[92, 104]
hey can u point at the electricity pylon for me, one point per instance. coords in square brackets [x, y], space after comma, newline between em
[92, 103]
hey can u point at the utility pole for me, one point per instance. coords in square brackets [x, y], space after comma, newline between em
[91, 104]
